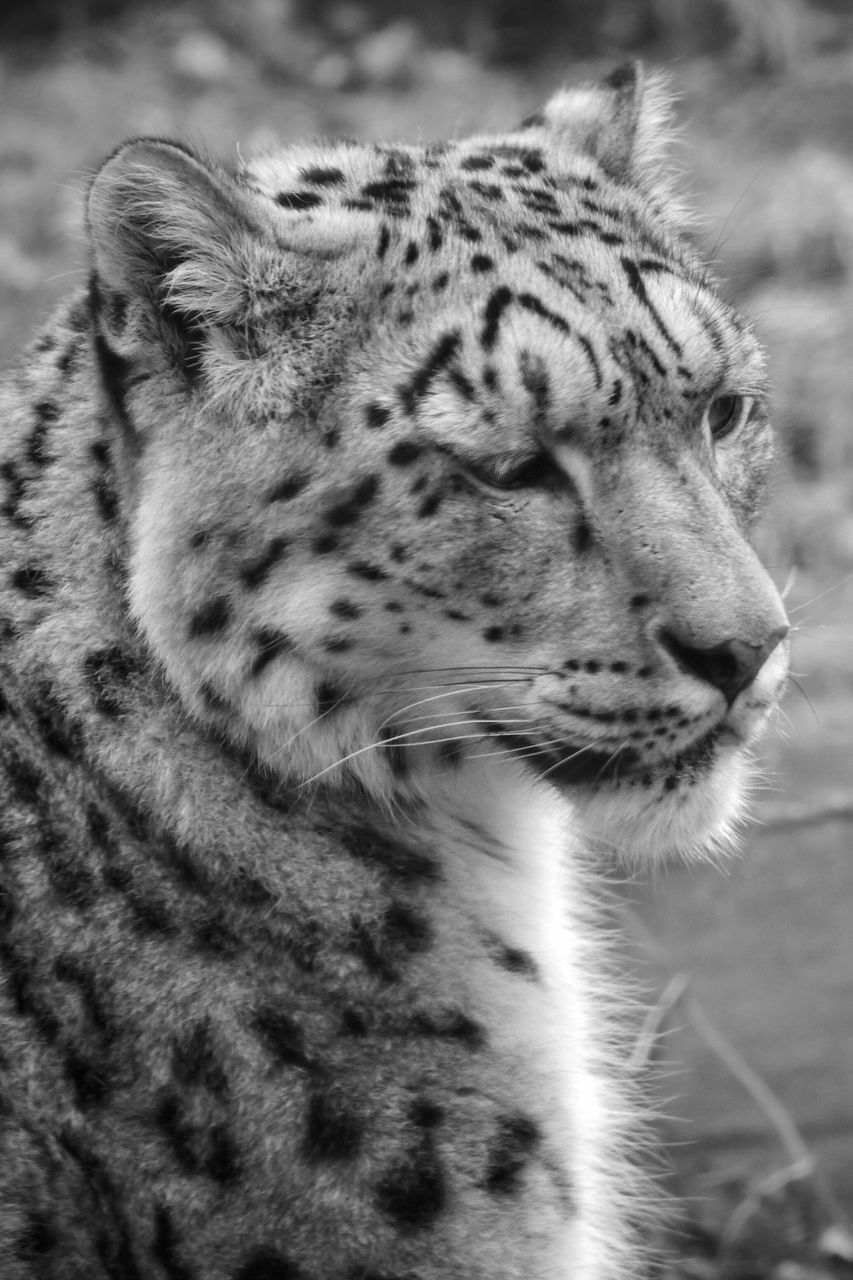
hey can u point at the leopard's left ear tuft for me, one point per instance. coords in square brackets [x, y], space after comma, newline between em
[624, 123]
[170, 227]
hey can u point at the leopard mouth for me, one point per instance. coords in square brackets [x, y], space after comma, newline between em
[582, 765]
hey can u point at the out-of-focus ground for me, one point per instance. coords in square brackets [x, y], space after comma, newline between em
[764, 948]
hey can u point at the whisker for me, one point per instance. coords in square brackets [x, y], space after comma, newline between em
[613, 756]
[808, 700]
[379, 693]
[829, 590]
[491, 668]
[310, 725]
[590, 746]
[519, 753]
[481, 713]
[396, 715]
[398, 740]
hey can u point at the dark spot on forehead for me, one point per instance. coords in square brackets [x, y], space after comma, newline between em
[489, 190]
[494, 309]
[530, 231]
[298, 199]
[533, 304]
[532, 160]
[438, 359]
[392, 192]
[463, 384]
[477, 162]
[322, 177]
[398, 163]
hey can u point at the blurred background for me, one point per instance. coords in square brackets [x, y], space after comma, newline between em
[746, 971]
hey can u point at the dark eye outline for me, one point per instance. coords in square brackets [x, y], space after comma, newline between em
[505, 474]
[737, 409]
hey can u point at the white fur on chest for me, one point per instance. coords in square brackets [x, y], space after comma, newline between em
[513, 866]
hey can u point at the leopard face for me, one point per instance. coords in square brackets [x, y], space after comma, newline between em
[433, 453]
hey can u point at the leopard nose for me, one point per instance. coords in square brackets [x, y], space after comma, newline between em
[729, 666]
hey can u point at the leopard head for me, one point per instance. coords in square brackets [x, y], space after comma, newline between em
[441, 452]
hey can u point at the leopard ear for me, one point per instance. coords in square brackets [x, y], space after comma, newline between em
[166, 226]
[623, 123]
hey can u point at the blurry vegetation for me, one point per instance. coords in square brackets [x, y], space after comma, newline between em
[764, 33]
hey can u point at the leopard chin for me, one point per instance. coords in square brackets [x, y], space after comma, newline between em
[690, 806]
[649, 819]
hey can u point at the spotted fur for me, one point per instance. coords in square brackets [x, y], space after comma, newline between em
[375, 557]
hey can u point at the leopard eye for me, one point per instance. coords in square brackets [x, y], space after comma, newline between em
[725, 414]
[515, 473]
